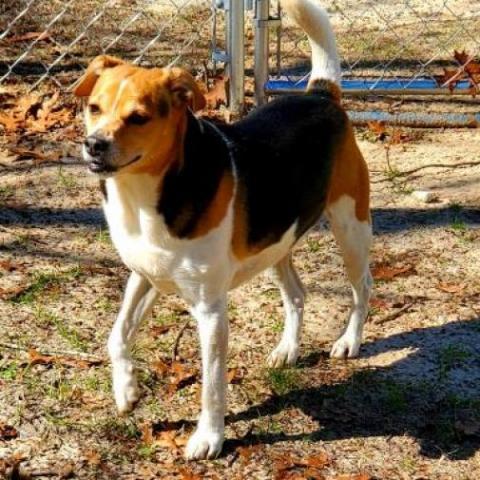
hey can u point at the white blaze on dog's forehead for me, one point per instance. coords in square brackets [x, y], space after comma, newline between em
[121, 87]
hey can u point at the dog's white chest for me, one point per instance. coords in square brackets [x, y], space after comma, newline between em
[145, 245]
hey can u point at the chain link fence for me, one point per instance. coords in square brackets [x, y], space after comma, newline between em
[387, 46]
[55, 39]
[400, 46]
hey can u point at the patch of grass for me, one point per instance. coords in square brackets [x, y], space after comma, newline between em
[105, 305]
[313, 245]
[402, 188]
[277, 326]
[146, 452]
[9, 372]
[46, 318]
[42, 281]
[271, 293]
[66, 180]
[452, 356]
[6, 192]
[70, 334]
[103, 236]
[458, 225]
[60, 390]
[282, 380]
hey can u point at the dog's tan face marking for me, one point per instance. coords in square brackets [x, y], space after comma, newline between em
[140, 113]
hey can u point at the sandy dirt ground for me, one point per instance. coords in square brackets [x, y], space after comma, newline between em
[407, 408]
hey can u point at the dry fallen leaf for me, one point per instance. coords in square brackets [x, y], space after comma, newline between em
[235, 375]
[187, 474]
[93, 457]
[39, 36]
[451, 287]
[217, 95]
[7, 432]
[379, 129]
[36, 358]
[288, 467]
[382, 271]
[157, 330]
[357, 476]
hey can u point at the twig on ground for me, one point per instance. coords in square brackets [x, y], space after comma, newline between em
[406, 173]
[177, 340]
[392, 315]
[65, 353]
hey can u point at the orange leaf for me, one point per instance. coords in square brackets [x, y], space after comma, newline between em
[217, 95]
[235, 375]
[378, 128]
[146, 430]
[158, 330]
[358, 476]
[461, 57]
[382, 271]
[160, 368]
[41, 36]
[451, 287]
[187, 474]
[36, 358]
[93, 457]
[321, 460]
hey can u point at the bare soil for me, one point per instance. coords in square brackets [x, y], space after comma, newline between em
[407, 408]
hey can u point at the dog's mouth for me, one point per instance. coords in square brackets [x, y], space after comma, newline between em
[98, 166]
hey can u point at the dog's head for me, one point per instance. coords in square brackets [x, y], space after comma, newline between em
[135, 117]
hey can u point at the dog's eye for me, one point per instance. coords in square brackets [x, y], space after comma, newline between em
[94, 109]
[137, 119]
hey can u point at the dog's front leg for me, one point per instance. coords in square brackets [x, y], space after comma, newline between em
[212, 322]
[137, 303]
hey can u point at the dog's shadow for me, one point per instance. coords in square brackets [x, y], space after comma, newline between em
[431, 394]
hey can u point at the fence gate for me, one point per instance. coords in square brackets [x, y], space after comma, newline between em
[387, 47]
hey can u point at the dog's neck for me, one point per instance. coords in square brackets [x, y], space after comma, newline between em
[183, 190]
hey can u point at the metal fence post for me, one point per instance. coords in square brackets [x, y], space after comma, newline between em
[236, 53]
[262, 14]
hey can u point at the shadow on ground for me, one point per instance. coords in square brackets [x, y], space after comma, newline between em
[432, 395]
[385, 220]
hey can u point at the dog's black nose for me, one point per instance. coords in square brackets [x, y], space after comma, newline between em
[95, 145]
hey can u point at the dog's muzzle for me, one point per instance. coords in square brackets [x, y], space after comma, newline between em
[96, 149]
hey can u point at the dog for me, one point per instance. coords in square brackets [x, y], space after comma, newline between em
[199, 208]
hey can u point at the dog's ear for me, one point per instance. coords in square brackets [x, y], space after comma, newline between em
[85, 84]
[185, 91]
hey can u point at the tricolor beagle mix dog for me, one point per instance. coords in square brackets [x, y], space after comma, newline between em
[199, 208]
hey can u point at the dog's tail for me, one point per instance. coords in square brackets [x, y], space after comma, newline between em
[314, 20]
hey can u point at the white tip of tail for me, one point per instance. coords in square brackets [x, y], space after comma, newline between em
[314, 20]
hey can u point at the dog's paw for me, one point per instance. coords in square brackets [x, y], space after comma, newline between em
[345, 347]
[204, 444]
[125, 390]
[285, 354]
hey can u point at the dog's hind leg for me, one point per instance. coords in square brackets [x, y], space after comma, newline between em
[293, 296]
[354, 239]
[137, 303]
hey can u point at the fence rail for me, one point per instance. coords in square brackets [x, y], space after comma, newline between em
[388, 47]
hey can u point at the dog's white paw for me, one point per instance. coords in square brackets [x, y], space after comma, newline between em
[125, 390]
[283, 355]
[204, 444]
[346, 346]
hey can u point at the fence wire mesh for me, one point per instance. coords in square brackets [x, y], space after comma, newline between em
[54, 39]
[389, 39]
